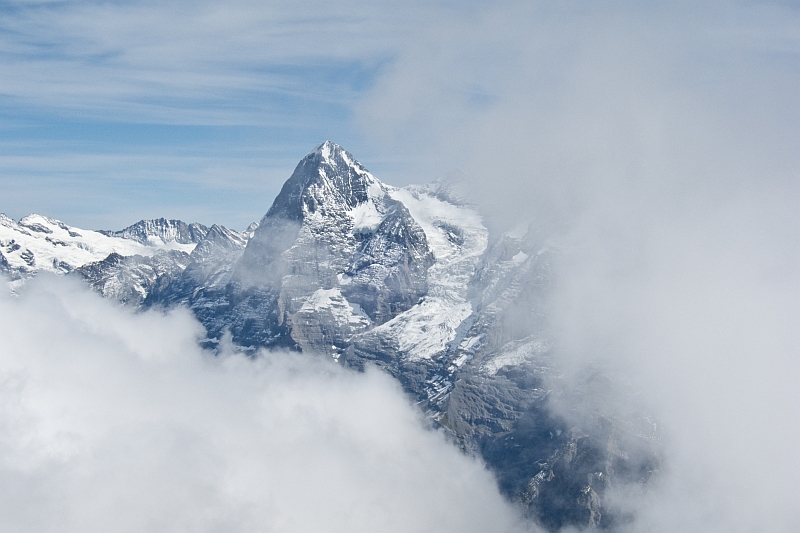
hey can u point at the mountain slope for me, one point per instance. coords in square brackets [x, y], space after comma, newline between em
[407, 279]
[168, 277]
[335, 237]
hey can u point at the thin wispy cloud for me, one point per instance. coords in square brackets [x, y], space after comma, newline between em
[193, 62]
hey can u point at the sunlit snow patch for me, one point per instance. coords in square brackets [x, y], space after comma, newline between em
[519, 257]
[457, 237]
[365, 217]
[332, 300]
[523, 353]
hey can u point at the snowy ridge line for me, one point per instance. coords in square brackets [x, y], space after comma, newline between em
[38, 243]
[161, 231]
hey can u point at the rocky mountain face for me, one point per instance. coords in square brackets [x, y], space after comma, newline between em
[168, 277]
[334, 235]
[132, 279]
[407, 279]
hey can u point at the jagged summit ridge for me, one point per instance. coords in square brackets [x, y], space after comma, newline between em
[328, 204]
[161, 231]
[328, 195]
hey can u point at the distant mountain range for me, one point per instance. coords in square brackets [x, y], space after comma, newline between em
[407, 279]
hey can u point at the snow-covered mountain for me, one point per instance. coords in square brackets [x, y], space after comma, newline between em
[383, 265]
[408, 279]
[38, 243]
[164, 277]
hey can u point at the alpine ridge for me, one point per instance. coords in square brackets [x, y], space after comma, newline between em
[407, 279]
[161, 231]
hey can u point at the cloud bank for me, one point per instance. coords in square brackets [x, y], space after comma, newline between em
[656, 147]
[112, 421]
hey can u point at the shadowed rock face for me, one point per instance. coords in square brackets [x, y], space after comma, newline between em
[406, 279]
[134, 279]
[388, 273]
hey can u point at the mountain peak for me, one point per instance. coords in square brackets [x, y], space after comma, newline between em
[330, 154]
[326, 150]
[328, 175]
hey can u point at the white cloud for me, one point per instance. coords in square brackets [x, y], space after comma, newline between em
[550, 106]
[700, 306]
[658, 143]
[113, 421]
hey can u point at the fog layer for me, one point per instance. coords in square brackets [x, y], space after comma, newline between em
[656, 146]
[113, 421]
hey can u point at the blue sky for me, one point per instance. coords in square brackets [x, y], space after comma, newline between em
[115, 111]
[110, 112]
